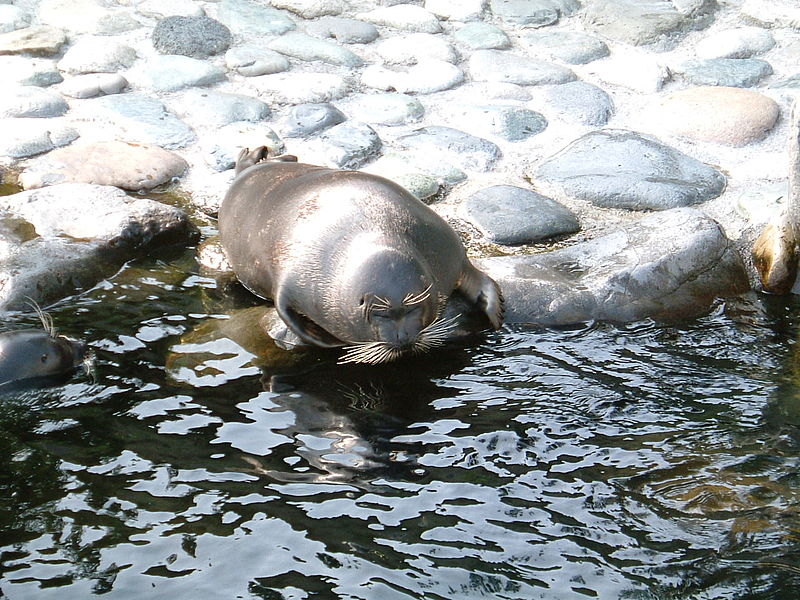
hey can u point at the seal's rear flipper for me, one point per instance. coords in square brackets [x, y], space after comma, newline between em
[483, 291]
[247, 158]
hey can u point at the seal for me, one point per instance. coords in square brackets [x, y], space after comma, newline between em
[350, 259]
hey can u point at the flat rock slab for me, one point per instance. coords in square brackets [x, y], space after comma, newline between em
[252, 61]
[306, 119]
[625, 169]
[567, 46]
[198, 37]
[672, 264]
[512, 215]
[26, 137]
[457, 147]
[731, 72]
[343, 30]
[403, 16]
[30, 101]
[246, 18]
[38, 41]
[723, 115]
[497, 65]
[174, 72]
[91, 85]
[121, 164]
[209, 107]
[307, 48]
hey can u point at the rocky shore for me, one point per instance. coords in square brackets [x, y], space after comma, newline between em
[602, 159]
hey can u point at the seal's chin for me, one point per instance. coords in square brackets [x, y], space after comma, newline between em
[378, 352]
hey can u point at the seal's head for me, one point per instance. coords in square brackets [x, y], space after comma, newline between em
[29, 354]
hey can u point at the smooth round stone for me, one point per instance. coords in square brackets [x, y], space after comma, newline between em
[91, 54]
[511, 215]
[307, 48]
[393, 167]
[497, 65]
[139, 118]
[643, 74]
[30, 136]
[477, 92]
[247, 18]
[457, 10]
[310, 9]
[425, 77]
[252, 61]
[30, 101]
[482, 36]
[306, 119]
[512, 123]
[121, 164]
[455, 146]
[93, 84]
[410, 49]
[86, 16]
[301, 88]
[532, 13]
[350, 144]
[39, 72]
[731, 72]
[580, 102]
[198, 37]
[387, 109]
[415, 162]
[729, 116]
[772, 13]
[624, 169]
[169, 8]
[404, 16]
[344, 31]
[37, 41]
[735, 43]
[567, 46]
[221, 150]
[13, 18]
[215, 109]
[172, 72]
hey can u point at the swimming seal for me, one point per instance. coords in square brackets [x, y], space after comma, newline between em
[349, 259]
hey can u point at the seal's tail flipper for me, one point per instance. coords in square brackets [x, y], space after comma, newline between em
[247, 158]
[482, 290]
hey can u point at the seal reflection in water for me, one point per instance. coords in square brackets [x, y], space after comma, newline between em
[350, 259]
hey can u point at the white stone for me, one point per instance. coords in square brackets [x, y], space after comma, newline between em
[404, 16]
[640, 73]
[410, 49]
[457, 10]
[12, 18]
[310, 9]
[735, 43]
[299, 88]
[93, 54]
[425, 77]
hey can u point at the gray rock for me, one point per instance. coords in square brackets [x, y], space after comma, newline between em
[93, 84]
[30, 101]
[426, 77]
[580, 102]
[224, 146]
[567, 46]
[533, 13]
[245, 18]
[730, 72]
[404, 16]
[173, 72]
[457, 10]
[305, 47]
[344, 31]
[454, 146]
[672, 264]
[497, 65]
[121, 164]
[511, 215]
[209, 107]
[414, 47]
[39, 72]
[301, 88]
[37, 41]
[29, 136]
[13, 18]
[140, 118]
[735, 43]
[350, 144]
[198, 37]
[93, 54]
[482, 36]
[386, 109]
[512, 123]
[306, 119]
[252, 61]
[624, 169]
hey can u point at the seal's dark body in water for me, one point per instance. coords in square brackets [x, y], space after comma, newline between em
[35, 356]
[349, 258]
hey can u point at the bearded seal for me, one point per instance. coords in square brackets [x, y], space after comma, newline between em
[350, 259]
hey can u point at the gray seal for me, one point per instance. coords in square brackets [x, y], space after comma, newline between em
[350, 259]
[34, 355]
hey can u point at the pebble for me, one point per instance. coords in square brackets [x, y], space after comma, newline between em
[722, 115]
[13, 18]
[414, 47]
[579, 102]
[457, 147]
[343, 30]
[221, 152]
[92, 85]
[482, 36]
[350, 144]
[512, 123]
[511, 215]
[311, 9]
[532, 13]
[121, 164]
[30, 101]
[139, 118]
[732, 72]
[215, 109]
[426, 77]
[743, 42]
[497, 65]
[457, 10]
[247, 18]
[386, 109]
[404, 16]
[170, 73]
[301, 88]
[36, 40]
[21, 70]
[198, 37]
[26, 137]
[252, 61]
[86, 16]
[306, 119]
[307, 48]
[95, 54]
[625, 169]
[566, 46]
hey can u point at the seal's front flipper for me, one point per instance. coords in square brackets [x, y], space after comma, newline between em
[248, 158]
[483, 291]
[305, 328]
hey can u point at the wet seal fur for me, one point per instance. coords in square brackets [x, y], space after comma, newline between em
[350, 259]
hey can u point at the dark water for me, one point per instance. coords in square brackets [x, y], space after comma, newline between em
[641, 461]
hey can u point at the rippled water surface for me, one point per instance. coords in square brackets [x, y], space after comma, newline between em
[640, 461]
